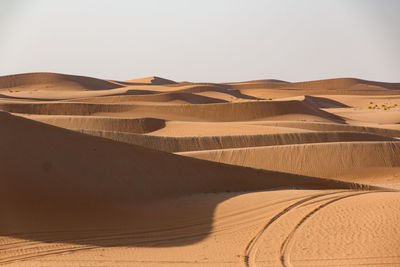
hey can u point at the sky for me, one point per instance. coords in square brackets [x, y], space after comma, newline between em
[208, 40]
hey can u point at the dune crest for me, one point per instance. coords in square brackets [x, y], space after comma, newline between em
[152, 80]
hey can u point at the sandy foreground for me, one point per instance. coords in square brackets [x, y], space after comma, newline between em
[152, 172]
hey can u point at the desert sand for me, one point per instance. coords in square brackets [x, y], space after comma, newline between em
[154, 172]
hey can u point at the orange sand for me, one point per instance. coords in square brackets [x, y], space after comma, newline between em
[152, 172]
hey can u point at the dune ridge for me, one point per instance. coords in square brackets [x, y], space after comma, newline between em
[124, 125]
[181, 144]
[63, 108]
[170, 97]
[308, 159]
[240, 111]
[326, 126]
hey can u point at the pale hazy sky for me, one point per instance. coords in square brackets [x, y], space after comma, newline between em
[207, 40]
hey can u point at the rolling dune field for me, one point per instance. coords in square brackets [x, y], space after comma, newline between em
[154, 172]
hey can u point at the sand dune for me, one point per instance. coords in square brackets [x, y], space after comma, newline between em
[172, 97]
[241, 111]
[347, 83]
[330, 84]
[42, 135]
[211, 112]
[309, 159]
[322, 102]
[200, 129]
[180, 144]
[141, 125]
[152, 172]
[63, 108]
[152, 80]
[322, 126]
[76, 174]
[53, 81]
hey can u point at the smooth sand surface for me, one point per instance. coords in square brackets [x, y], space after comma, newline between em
[153, 172]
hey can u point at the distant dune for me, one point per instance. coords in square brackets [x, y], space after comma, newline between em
[152, 172]
[346, 83]
[327, 84]
[52, 81]
[152, 80]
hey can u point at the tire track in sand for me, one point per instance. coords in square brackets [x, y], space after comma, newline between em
[38, 251]
[284, 256]
[252, 243]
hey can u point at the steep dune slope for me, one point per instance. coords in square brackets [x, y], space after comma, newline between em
[323, 126]
[201, 129]
[180, 144]
[333, 160]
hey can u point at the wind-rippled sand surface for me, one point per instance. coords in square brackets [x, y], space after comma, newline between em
[151, 172]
